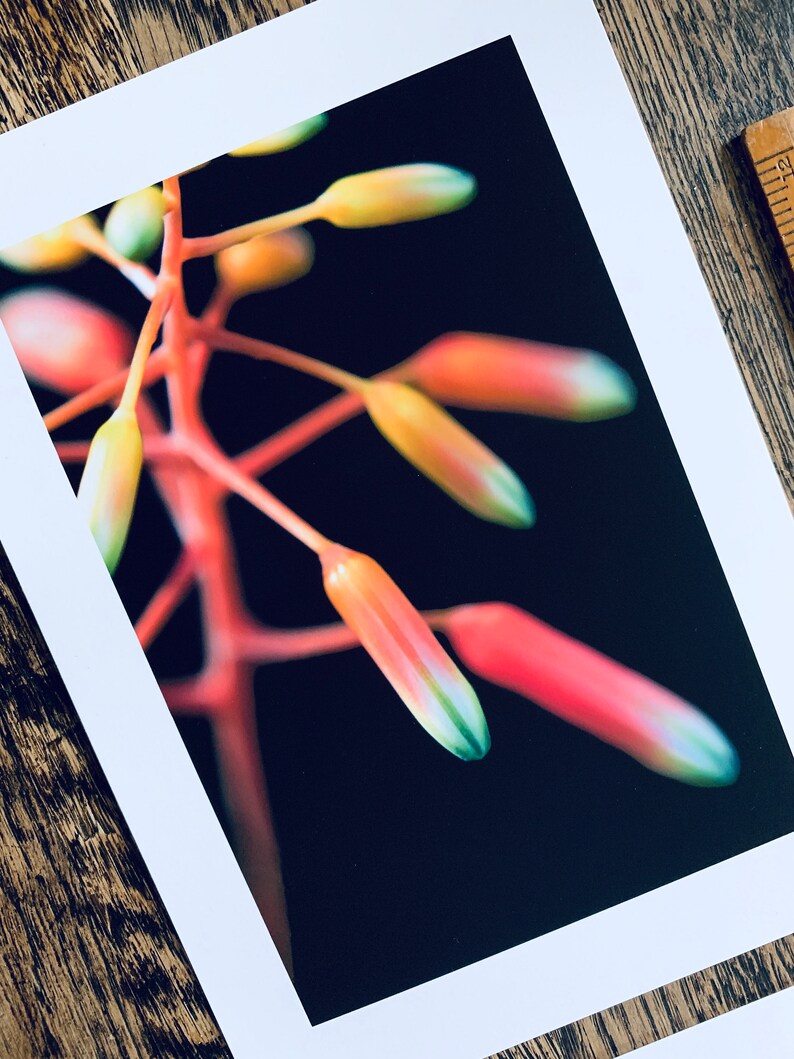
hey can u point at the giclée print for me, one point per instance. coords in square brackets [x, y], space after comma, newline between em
[382, 362]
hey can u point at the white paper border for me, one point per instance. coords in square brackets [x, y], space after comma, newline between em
[197, 108]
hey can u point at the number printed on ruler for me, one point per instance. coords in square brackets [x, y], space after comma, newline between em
[776, 174]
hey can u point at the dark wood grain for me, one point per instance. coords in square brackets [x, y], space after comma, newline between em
[89, 963]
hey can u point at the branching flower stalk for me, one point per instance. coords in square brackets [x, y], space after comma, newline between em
[81, 351]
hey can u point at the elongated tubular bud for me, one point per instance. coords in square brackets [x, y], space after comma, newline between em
[55, 250]
[392, 196]
[134, 226]
[62, 341]
[444, 451]
[509, 647]
[109, 483]
[265, 262]
[284, 139]
[495, 373]
[401, 644]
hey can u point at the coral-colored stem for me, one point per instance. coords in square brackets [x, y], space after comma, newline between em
[220, 467]
[224, 691]
[139, 275]
[255, 347]
[166, 599]
[188, 697]
[105, 391]
[302, 432]
[212, 244]
[263, 644]
[143, 347]
[295, 437]
[247, 799]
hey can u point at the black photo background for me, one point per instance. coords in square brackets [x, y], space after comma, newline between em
[402, 863]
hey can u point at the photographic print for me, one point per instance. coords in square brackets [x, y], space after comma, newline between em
[364, 439]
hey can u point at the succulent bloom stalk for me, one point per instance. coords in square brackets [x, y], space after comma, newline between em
[109, 483]
[392, 196]
[513, 375]
[62, 341]
[403, 647]
[134, 226]
[265, 262]
[284, 139]
[509, 647]
[444, 451]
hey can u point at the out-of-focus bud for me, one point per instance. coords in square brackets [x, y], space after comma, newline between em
[513, 375]
[403, 647]
[134, 226]
[265, 262]
[109, 483]
[444, 451]
[284, 139]
[506, 645]
[391, 196]
[55, 250]
[62, 341]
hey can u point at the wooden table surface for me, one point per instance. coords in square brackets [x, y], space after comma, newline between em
[89, 963]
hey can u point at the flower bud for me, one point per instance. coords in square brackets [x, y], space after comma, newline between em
[400, 642]
[134, 226]
[62, 341]
[284, 139]
[109, 483]
[509, 647]
[265, 262]
[394, 195]
[512, 375]
[438, 446]
[55, 250]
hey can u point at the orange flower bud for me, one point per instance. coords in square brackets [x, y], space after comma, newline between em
[134, 226]
[401, 644]
[52, 251]
[392, 196]
[109, 483]
[513, 375]
[438, 446]
[284, 139]
[510, 647]
[63, 341]
[265, 262]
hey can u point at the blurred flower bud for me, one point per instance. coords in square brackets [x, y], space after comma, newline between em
[265, 262]
[62, 341]
[438, 446]
[284, 139]
[134, 226]
[401, 644]
[52, 251]
[513, 375]
[109, 483]
[509, 647]
[391, 196]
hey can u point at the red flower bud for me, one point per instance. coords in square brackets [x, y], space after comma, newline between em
[509, 647]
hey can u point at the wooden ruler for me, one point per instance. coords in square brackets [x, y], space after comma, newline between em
[770, 144]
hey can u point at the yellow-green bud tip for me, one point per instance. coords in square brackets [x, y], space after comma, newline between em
[395, 195]
[110, 483]
[134, 226]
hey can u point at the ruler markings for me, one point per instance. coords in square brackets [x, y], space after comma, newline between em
[769, 157]
[770, 145]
